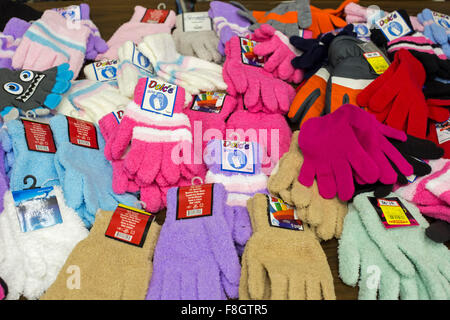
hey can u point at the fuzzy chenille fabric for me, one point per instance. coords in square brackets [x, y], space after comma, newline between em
[30, 261]
[109, 269]
[325, 216]
[282, 264]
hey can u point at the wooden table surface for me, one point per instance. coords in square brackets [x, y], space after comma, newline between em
[108, 15]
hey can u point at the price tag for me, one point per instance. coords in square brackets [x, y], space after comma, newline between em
[237, 156]
[141, 61]
[393, 26]
[105, 70]
[282, 215]
[392, 213]
[39, 136]
[82, 133]
[159, 97]
[155, 16]
[36, 208]
[443, 131]
[376, 61]
[210, 102]
[247, 55]
[441, 19]
[194, 201]
[196, 21]
[71, 12]
[129, 225]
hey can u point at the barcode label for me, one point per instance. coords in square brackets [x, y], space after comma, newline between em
[84, 142]
[194, 212]
[41, 148]
[123, 236]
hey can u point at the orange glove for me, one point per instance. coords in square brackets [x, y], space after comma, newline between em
[326, 20]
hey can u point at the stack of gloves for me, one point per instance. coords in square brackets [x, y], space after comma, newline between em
[343, 120]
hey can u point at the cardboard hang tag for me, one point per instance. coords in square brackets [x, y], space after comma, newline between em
[196, 21]
[39, 136]
[194, 201]
[393, 26]
[129, 225]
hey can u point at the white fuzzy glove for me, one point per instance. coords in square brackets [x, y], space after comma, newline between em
[91, 100]
[133, 65]
[30, 261]
[191, 73]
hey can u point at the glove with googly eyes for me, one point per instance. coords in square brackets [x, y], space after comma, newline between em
[26, 91]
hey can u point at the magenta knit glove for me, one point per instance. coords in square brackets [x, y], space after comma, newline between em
[50, 42]
[275, 46]
[257, 86]
[348, 142]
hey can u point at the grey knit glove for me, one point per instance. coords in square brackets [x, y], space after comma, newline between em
[201, 44]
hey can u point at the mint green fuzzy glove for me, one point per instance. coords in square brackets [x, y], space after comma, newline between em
[361, 259]
[408, 249]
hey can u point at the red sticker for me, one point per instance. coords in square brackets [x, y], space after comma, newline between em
[155, 16]
[39, 136]
[129, 225]
[118, 115]
[82, 133]
[194, 201]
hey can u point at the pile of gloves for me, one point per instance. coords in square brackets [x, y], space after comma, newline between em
[208, 155]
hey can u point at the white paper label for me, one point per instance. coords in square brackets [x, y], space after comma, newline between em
[237, 156]
[362, 31]
[71, 12]
[141, 61]
[441, 19]
[196, 21]
[443, 131]
[105, 70]
[393, 26]
[159, 97]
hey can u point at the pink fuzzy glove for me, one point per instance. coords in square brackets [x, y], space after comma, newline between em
[122, 181]
[258, 86]
[166, 137]
[275, 47]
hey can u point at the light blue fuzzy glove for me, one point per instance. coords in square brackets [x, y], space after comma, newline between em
[30, 168]
[408, 249]
[85, 174]
[361, 259]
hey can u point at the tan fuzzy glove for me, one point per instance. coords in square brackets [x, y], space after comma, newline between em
[281, 264]
[108, 269]
[325, 216]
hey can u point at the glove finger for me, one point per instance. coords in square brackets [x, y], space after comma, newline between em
[209, 284]
[279, 285]
[257, 278]
[189, 286]
[171, 285]
[252, 95]
[313, 289]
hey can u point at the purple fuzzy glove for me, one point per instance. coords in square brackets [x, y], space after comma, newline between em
[10, 39]
[96, 44]
[227, 23]
[239, 187]
[195, 258]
